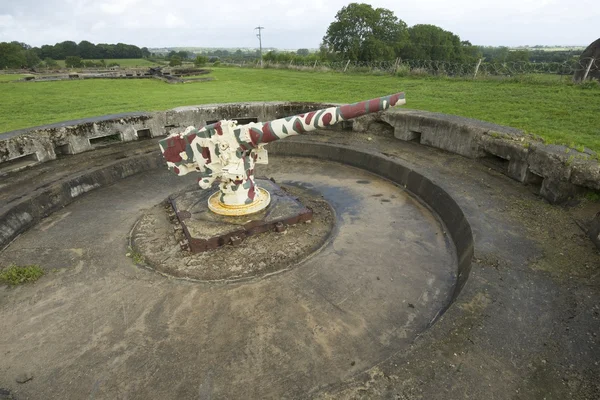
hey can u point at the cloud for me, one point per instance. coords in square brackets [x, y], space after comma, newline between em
[289, 23]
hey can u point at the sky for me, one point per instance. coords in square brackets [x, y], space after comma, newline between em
[289, 24]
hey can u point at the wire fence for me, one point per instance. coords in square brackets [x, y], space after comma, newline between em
[580, 69]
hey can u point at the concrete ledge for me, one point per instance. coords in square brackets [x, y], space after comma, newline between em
[26, 147]
[17, 218]
[559, 172]
[45, 143]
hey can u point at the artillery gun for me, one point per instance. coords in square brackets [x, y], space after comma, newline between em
[229, 152]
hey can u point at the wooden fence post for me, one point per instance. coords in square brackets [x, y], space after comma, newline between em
[315, 66]
[587, 71]
[477, 68]
[346, 67]
[398, 63]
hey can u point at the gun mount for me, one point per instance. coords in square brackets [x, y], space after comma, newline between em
[229, 151]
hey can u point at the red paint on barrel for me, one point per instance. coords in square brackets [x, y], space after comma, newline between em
[176, 170]
[175, 146]
[268, 134]
[309, 117]
[395, 97]
[327, 119]
[374, 105]
[353, 110]
[298, 127]
[254, 136]
[251, 192]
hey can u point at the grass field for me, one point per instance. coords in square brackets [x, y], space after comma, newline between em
[558, 112]
[10, 77]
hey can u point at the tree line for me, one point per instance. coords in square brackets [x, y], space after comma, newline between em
[363, 33]
[19, 55]
[359, 32]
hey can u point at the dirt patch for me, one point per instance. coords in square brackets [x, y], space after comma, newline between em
[155, 244]
[561, 234]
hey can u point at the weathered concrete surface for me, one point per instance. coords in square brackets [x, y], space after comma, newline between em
[525, 325]
[563, 172]
[29, 195]
[594, 230]
[156, 240]
[103, 328]
[560, 172]
[72, 137]
[206, 230]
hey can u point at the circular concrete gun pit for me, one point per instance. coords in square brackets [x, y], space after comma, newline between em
[249, 246]
[387, 271]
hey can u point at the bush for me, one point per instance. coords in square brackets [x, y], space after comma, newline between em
[175, 61]
[73, 62]
[50, 63]
[590, 85]
[200, 61]
[92, 64]
[402, 70]
[113, 64]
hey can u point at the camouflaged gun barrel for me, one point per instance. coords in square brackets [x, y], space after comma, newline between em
[229, 151]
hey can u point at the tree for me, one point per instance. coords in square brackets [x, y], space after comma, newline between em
[50, 63]
[430, 42]
[200, 61]
[11, 55]
[64, 49]
[494, 54]
[87, 49]
[362, 33]
[31, 58]
[518, 56]
[73, 62]
[175, 61]
[18, 55]
[303, 52]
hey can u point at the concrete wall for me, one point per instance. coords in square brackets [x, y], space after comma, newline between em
[559, 172]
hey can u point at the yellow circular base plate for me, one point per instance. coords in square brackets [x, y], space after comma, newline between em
[261, 201]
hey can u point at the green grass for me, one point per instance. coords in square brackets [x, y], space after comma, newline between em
[16, 275]
[136, 256]
[10, 77]
[593, 196]
[196, 76]
[557, 111]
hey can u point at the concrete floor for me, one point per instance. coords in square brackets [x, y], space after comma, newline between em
[525, 326]
[100, 327]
